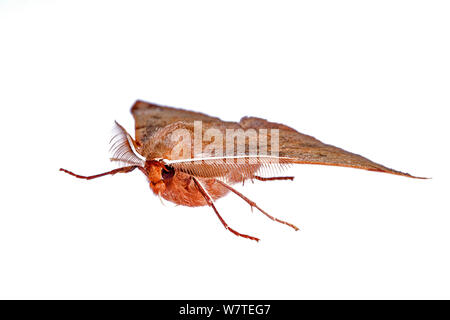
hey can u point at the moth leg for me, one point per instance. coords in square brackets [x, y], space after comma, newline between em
[272, 178]
[253, 204]
[210, 202]
[119, 170]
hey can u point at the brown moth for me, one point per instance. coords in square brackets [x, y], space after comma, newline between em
[187, 161]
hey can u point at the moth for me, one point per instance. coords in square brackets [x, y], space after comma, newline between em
[193, 159]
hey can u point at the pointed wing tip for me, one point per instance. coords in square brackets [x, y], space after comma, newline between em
[136, 105]
[404, 174]
[422, 178]
[141, 104]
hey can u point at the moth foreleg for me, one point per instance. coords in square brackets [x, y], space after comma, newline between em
[253, 204]
[210, 202]
[119, 170]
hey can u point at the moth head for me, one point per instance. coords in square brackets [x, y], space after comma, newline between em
[158, 174]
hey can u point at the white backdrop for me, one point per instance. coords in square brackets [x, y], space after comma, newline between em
[371, 77]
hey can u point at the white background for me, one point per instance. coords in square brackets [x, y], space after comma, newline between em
[371, 77]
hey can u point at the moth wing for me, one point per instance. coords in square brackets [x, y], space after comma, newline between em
[150, 117]
[305, 149]
[294, 147]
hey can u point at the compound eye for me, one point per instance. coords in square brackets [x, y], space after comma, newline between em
[167, 172]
